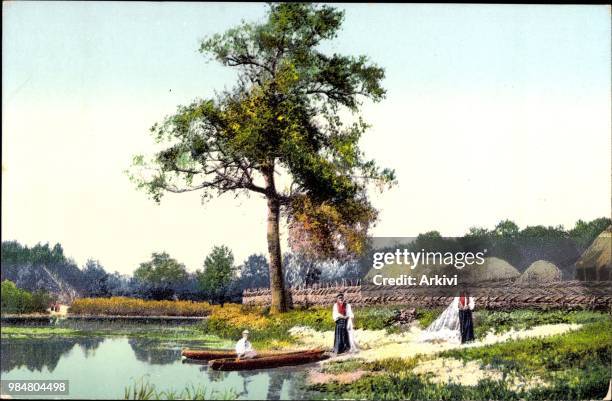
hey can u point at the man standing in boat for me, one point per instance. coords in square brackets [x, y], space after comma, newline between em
[343, 316]
[244, 349]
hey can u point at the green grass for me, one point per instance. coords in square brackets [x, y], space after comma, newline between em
[499, 322]
[576, 365]
[427, 316]
[589, 346]
[185, 334]
[39, 332]
[272, 331]
[410, 387]
[144, 390]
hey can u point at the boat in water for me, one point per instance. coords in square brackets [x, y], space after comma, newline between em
[264, 361]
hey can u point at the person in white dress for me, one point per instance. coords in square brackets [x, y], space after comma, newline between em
[244, 349]
[447, 327]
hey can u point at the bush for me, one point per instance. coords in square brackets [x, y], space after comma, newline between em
[123, 306]
[17, 300]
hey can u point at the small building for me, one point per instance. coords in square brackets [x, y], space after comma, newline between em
[595, 264]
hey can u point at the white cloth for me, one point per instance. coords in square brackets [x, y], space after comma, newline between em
[446, 326]
[349, 325]
[243, 347]
[336, 315]
[352, 340]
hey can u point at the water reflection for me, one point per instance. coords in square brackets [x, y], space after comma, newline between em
[36, 355]
[102, 367]
[154, 352]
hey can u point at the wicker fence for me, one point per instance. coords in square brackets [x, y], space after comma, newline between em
[493, 295]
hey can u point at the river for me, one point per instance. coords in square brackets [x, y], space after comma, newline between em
[102, 367]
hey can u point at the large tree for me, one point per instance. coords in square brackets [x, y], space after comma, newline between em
[282, 118]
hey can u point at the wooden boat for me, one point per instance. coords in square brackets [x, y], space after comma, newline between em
[209, 354]
[267, 362]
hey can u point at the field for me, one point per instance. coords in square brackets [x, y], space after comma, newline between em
[123, 306]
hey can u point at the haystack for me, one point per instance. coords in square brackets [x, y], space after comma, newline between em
[493, 269]
[596, 262]
[540, 271]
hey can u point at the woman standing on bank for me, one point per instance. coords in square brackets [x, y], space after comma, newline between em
[343, 316]
[466, 324]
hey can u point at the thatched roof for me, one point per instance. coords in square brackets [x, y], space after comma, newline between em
[540, 271]
[597, 257]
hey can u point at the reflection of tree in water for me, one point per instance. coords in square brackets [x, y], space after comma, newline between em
[153, 352]
[246, 379]
[297, 389]
[214, 375]
[277, 379]
[38, 354]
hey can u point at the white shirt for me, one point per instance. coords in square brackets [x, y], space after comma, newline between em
[243, 346]
[336, 315]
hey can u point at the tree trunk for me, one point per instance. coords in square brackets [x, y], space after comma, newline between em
[277, 283]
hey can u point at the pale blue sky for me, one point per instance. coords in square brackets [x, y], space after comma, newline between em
[493, 112]
[89, 49]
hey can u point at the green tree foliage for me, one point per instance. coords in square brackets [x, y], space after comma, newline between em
[161, 275]
[254, 272]
[584, 233]
[16, 300]
[219, 272]
[282, 117]
[506, 229]
[16, 256]
[433, 241]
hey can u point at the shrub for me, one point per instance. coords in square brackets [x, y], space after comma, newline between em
[17, 300]
[123, 306]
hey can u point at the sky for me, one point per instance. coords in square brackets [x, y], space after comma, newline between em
[492, 112]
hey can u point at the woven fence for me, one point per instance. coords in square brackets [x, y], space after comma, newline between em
[502, 295]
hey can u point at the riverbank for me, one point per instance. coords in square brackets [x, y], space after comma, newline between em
[559, 361]
[518, 354]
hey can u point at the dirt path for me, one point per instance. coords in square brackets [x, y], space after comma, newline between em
[378, 344]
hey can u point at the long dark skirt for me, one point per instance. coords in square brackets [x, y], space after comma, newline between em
[341, 338]
[466, 325]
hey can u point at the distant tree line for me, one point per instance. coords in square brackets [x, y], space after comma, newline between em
[221, 280]
[519, 247]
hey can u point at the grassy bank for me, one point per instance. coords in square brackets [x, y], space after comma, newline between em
[123, 306]
[272, 331]
[574, 365]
